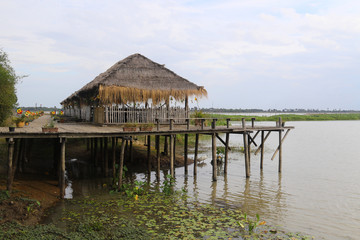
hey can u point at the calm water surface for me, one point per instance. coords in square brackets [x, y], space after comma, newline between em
[318, 192]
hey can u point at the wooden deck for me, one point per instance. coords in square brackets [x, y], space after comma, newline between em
[88, 130]
[249, 130]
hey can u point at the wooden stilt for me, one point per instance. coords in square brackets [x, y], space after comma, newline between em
[157, 143]
[62, 168]
[249, 149]
[186, 153]
[247, 165]
[172, 155]
[166, 146]
[227, 138]
[131, 150]
[259, 148]
[196, 153]
[121, 163]
[88, 144]
[113, 156]
[92, 149]
[214, 160]
[280, 150]
[10, 165]
[149, 153]
[102, 153]
[17, 148]
[95, 152]
[106, 158]
[262, 150]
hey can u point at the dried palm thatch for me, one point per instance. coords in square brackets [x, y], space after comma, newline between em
[135, 79]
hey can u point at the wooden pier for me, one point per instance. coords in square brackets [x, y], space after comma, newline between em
[168, 130]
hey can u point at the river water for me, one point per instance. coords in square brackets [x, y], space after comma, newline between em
[318, 192]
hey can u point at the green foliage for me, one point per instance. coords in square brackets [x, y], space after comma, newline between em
[168, 185]
[8, 79]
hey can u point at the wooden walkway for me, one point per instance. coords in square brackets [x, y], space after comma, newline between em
[249, 130]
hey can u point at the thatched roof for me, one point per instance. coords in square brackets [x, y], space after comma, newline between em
[136, 79]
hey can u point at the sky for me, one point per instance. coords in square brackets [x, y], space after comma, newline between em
[265, 54]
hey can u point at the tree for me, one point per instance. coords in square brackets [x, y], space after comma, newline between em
[8, 79]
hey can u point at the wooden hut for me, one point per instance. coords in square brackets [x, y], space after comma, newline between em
[134, 89]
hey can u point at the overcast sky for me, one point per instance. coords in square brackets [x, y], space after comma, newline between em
[247, 53]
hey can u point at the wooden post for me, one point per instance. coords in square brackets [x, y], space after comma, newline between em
[214, 170]
[227, 122]
[102, 153]
[196, 153]
[95, 152]
[113, 156]
[149, 153]
[213, 124]
[249, 149]
[131, 150]
[202, 123]
[243, 123]
[62, 168]
[106, 163]
[186, 153]
[253, 122]
[171, 124]
[157, 140]
[246, 153]
[226, 151]
[262, 150]
[186, 106]
[87, 144]
[280, 148]
[92, 149]
[157, 124]
[172, 155]
[259, 148]
[166, 146]
[10, 164]
[121, 163]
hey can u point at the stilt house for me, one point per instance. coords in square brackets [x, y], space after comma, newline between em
[135, 90]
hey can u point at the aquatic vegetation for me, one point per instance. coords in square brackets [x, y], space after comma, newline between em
[168, 185]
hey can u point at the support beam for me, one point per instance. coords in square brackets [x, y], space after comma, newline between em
[223, 142]
[172, 155]
[166, 146]
[149, 153]
[280, 142]
[121, 163]
[227, 148]
[131, 150]
[62, 168]
[186, 138]
[196, 153]
[280, 149]
[259, 148]
[106, 158]
[157, 143]
[247, 165]
[10, 164]
[113, 156]
[262, 150]
[253, 138]
[214, 160]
